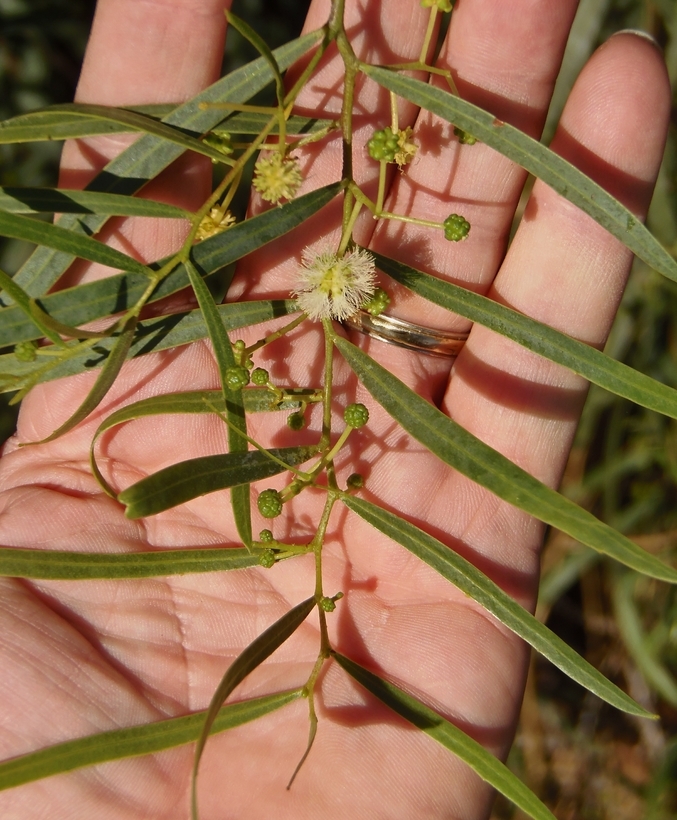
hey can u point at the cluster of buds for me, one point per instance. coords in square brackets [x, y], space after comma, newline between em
[387, 145]
[277, 177]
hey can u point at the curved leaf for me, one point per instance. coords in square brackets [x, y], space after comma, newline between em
[81, 566]
[127, 120]
[540, 161]
[117, 293]
[134, 741]
[594, 365]
[464, 452]
[477, 586]
[198, 476]
[150, 155]
[63, 200]
[152, 335]
[103, 383]
[488, 767]
[254, 655]
[79, 245]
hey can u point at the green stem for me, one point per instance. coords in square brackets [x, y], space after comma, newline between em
[428, 35]
[327, 386]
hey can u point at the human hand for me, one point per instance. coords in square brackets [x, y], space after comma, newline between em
[83, 657]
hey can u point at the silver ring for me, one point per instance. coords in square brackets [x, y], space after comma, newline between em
[408, 335]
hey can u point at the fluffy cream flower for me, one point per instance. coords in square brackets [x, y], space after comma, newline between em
[332, 287]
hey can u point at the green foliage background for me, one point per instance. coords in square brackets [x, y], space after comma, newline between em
[582, 758]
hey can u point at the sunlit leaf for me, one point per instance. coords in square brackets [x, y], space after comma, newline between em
[81, 566]
[477, 586]
[464, 452]
[198, 476]
[470, 751]
[134, 741]
[103, 383]
[232, 400]
[152, 335]
[538, 160]
[254, 655]
[17, 226]
[113, 294]
[62, 200]
[150, 155]
[129, 120]
[595, 366]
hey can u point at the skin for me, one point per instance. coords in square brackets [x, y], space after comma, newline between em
[80, 658]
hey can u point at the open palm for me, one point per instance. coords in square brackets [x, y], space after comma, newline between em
[84, 657]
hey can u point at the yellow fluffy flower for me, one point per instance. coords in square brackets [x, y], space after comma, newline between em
[333, 287]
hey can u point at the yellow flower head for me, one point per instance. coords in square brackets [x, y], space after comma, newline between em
[215, 222]
[277, 178]
[332, 287]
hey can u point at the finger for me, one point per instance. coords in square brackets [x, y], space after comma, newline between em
[565, 270]
[142, 52]
[504, 57]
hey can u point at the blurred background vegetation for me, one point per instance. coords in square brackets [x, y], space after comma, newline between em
[586, 761]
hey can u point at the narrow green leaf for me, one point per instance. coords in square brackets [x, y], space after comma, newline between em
[57, 123]
[63, 565]
[252, 123]
[538, 160]
[464, 452]
[117, 293]
[102, 385]
[152, 335]
[254, 655]
[477, 586]
[198, 476]
[232, 399]
[594, 365]
[256, 400]
[489, 768]
[134, 741]
[23, 301]
[246, 31]
[63, 200]
[17, 226]
[150, 155]
[127, 119]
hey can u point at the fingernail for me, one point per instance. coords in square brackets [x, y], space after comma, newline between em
[637, 33]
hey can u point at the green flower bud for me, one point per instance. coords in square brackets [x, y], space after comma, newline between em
[384, 145]
[356, 415]
[265, 536]
[260, 376]
[237, 377]
[269, 503]
[327, 604]
[378, 302]
[297, 421]
[26, 351]
[267, 559]
[355, 481]
[456, 228]
[464, 137]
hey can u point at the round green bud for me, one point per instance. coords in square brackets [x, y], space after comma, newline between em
[356, 415]
[327, 604]
[297, 421]
[464, 137]
[378, 302]
[384, 145]
[355, 481]
[265, 536]
[237, 377]
[456, 228]
[269, 503]
[26, 351]
[239, 346]
[260, 376]
[267, 559]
